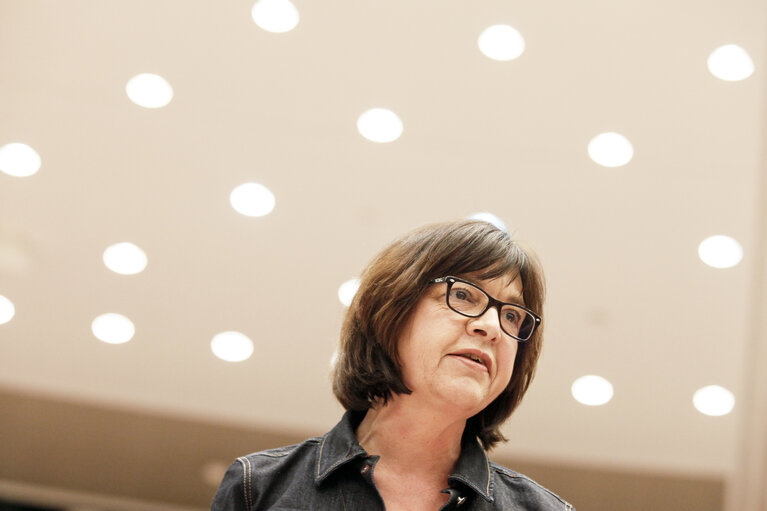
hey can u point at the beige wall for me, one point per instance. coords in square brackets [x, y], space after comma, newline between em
[78, 455]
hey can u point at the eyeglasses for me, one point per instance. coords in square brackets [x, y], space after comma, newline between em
[472, 301]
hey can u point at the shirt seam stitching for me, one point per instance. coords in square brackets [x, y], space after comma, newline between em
[246, 479]
[319, 458]
[516, 475]
[489, 475]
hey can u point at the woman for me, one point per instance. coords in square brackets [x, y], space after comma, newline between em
[437, 350]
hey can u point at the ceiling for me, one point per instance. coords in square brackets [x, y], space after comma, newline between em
[628, 297]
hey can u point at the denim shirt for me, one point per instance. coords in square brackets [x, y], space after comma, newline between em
[334, 472]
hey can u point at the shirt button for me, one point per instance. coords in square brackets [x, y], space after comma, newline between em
[365, 469]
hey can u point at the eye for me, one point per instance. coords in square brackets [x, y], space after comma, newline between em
[461, 293]
[511, 316]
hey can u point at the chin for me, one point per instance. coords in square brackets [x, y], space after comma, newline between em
[464, 397]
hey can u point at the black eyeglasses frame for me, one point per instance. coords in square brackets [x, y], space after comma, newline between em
[491, 302]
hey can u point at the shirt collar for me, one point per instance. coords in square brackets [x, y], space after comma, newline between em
[339, 446]
[473, 468]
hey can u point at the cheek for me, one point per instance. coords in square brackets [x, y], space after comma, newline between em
[406, 364]
[506, 359]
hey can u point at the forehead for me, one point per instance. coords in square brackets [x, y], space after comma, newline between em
[506, 288]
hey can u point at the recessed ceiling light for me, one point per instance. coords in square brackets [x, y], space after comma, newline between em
[347, 290]
[380, 125]
[611, 149]
[275, 15]
[713, 400]
[113, 328]
[7, 310]
[334, 359]
[252, 199]
[730, 63]
[489, 218]
[232, 346]
[125, 258]
[19, 160]
[501, 42]
[149, 90]
[720, 251]
[592, 390]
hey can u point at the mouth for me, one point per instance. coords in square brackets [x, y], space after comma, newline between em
[475, 358]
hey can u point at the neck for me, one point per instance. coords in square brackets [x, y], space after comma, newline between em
[412, 439]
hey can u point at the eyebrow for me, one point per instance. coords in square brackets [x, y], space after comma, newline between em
[516, 299]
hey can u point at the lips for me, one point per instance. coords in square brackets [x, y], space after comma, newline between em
[474, 356]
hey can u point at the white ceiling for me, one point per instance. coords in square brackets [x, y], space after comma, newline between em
[628, 297]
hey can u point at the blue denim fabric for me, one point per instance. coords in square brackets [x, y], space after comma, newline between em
[334, 472]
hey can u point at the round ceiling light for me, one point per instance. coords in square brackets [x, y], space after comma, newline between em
[7, 310]
[730, 63]
[125, 258]
[232, 346]
[19, 160]
[501, 42]
[347, 290]
[592, 390]
[720, 251]
[334, 359]
[490, 218]
[275, 15]
[380, 125]
[252, 199]
[149, 90]
[713, 400]
[611, 149]
[113, 328]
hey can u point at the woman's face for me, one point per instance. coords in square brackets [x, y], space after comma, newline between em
[439, 349]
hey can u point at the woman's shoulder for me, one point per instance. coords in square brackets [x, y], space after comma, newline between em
[280, 459]
[272, 455]
[511, 487]
[253, 478]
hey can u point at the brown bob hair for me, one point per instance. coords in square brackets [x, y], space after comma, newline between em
[368, 369]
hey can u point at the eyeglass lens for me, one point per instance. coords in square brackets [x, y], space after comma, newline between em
[470, 300]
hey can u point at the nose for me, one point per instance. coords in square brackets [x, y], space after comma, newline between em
[487, 325]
